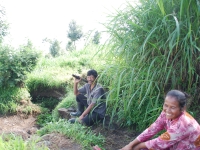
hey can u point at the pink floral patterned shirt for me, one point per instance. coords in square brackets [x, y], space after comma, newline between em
[182, 133]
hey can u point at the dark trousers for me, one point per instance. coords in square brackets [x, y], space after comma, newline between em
[82, 102]
[92, 117]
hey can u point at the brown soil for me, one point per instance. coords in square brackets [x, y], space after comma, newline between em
[20, 125]
[115, 138]
[25, 126]
[55, 93]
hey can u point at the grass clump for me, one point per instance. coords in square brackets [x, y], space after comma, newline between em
[16, 100]
[44, 118]
[77, 132]
[12, 142]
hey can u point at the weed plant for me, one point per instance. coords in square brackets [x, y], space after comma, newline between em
[44, 118]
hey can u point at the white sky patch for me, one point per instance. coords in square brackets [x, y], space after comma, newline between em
[38, 19]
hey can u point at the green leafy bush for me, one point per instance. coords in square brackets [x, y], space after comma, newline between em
[15, 64]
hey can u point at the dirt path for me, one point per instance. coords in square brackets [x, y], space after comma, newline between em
[20, 125]
[25, 126]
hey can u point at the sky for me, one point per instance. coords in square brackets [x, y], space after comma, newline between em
[38, 19]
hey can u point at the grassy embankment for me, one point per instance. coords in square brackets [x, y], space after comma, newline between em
[51, 74]
[56, 73]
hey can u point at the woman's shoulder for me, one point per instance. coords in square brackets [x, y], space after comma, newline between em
[186, 114]
[188, 119]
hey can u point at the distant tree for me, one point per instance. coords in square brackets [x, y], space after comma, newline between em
[54, 48]
[70, 46]
[3, 24]
[96, 37]
[75, 32]
[29, 44]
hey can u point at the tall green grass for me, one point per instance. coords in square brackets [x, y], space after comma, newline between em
[154, 47]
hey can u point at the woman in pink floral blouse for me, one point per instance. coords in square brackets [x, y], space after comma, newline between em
[182, 130]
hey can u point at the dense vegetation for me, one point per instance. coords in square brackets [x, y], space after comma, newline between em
[15, 64]
[153, 47]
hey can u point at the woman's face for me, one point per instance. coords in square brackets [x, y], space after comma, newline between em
[171, 108]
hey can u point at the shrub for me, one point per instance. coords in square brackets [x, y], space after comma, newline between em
[15, 64]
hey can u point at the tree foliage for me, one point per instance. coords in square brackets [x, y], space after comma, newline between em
[154, 48]
[15, 64]
[96, 37]
[54, 48]
[70, 46]
[75, 31]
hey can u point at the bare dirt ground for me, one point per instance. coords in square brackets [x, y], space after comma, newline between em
[26, 127]
[23, 126]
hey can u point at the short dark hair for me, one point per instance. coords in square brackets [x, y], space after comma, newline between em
[92, 72]
[181, 97]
